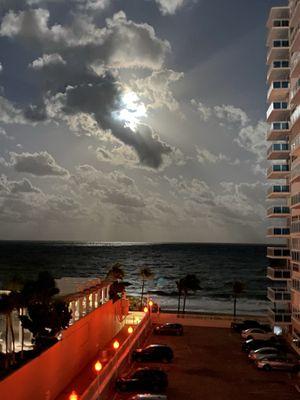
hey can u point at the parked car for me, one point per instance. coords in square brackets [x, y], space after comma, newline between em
[243, 325]
[262, 352]
[169, 329]
[283, 362]
[252, 344]
[153, 352]
[148, 396]
[257, 333]
[152, 380]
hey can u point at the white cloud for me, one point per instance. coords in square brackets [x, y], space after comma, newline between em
[1, 68]
[155, 89]
[227, 113]
[47, 60]
[38, 164]
[205, 156]
[169, 6]
[204, 112]
[9, 114]
[253, 139]
[231, 114]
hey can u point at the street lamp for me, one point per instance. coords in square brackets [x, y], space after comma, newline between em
[98, 368]
[130, 330]
[146, 310]
[116, 344]
[73, 396]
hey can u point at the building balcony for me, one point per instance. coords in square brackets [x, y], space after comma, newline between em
[278, 70]
[294, 12]
[278, 171]
[278, 252]
[278, 212]
[278, 232]
[295, 38]
[295, 174]
[278, 151]
[278, 91]
[295, 228]
[278, 274]
[278, 111]
[277, 13]
[278, 316]
[278, 30]
[295, 146]
[279, 50]
[279, 130]
[295, 256]
[295, 64]
[278, 191]
[295, 119]
[295, 201]
[282, 295]
[295, 93]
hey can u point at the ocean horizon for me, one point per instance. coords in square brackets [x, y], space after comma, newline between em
[217, 265]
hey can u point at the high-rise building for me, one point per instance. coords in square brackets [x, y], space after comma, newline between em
[283, 115]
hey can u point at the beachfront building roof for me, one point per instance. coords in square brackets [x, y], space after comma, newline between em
[283, 115]
[82, 295]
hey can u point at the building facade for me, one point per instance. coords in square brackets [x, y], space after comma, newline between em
[283, 115]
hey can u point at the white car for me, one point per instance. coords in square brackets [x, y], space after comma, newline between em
[149, 396]
[263, 352]
[257, 334]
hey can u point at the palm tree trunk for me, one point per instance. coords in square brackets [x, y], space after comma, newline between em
[179, 298]
[234, 306]
[6, 342]
[142, 294]
[184, 301]
[12, 338]
[22, 335]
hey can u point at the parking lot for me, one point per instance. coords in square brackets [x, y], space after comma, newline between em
[209, 364]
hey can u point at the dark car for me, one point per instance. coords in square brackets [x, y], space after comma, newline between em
[252, 344]
[248, 324]
[151, 380]
[153, 352]
[169, 329]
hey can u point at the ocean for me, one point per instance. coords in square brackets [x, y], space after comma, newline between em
[216, 266]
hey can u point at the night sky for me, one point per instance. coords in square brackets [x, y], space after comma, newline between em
[133, 120]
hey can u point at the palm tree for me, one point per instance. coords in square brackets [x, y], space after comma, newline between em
[237, 288]
[6, 308]
[145, 274]
[189, 282]
[179, 288]
[115, 273]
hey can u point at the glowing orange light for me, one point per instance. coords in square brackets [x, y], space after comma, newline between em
[130, 329]
[98, 366]
[116, 344]
[145, 309]
[73, 396]
[150, 303]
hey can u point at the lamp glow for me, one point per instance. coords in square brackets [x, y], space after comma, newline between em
[145, 310]
[98, 366]
[130, 329]
[116, 344]
[73, 396]
[150, 303]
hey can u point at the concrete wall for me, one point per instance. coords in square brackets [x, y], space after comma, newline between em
[46, 376]
[214, 321]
